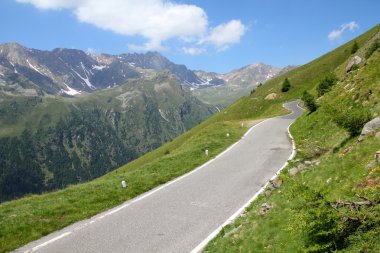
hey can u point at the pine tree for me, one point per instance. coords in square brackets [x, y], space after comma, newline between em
[286, 85]
[309, 101]
[354, 47]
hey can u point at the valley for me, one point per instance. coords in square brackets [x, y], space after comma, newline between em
[70, 117]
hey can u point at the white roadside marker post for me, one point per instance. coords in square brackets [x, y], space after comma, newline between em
[228, 134]
[206, 152]
[123, 184]
[242, 125]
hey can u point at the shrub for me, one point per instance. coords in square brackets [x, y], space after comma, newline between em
[352, 118]
[253, 91]
[328, 226]
[354, 47]
[286, 85]
[320, 224]
[375, 45]
[326, 84]
[309, 101]
[355, 67]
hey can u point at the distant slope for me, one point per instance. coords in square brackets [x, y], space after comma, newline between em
[70, 71]
[49, 143]
[224, 89]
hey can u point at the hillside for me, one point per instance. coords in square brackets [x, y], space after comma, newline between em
[56, 141]
[329, 198]
[31, 217]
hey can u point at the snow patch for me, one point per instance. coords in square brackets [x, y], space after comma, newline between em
[99, 67]
[31, 65]
[86, 72]
[163, 115]
[132, 64]
[70, 91]
[85, 79]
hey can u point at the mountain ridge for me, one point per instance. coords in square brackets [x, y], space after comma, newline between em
[73, 71]
[236, 83]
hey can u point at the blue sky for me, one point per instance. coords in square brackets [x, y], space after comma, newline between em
[209, 35]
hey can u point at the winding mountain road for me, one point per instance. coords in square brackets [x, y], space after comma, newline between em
[180, 215]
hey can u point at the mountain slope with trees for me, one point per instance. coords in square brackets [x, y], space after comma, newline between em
[48, 143]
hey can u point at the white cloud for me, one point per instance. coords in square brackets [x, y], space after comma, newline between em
[337, 34]
[193, 50]
[224, 35]
[155, 20]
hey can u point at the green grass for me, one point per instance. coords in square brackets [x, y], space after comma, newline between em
[31, 217]
[34, 216]
[343, 171]
[280, 230]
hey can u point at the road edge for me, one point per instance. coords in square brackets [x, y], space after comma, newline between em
[234, 216]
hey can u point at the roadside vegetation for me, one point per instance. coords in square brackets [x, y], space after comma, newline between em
[283, 227]
[330, 197]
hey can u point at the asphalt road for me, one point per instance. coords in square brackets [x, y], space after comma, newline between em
[180, 215]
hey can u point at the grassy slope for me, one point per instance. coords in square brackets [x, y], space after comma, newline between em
[32, 217]
[341, 174]
[20, 113]
[215, 95]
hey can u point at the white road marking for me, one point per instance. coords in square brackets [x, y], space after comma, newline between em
[211, 236]
[50, 241]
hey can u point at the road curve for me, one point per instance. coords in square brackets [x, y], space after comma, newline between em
[181, 214]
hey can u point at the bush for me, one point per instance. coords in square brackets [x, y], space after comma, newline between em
[309, 101]
[253, 91]
[354, 47]
[328, 227]
[320, 224]
[355, 67]
[375, 45]
[352, 119]
[326, 84]
[286, 85]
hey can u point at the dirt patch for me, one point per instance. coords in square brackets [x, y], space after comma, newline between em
[271, 96]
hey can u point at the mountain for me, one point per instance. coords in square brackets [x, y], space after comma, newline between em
[330, 205]
[72, 71]
[48, 142]
[223, 89]
[69, 117]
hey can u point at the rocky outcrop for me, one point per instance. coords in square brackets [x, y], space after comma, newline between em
[71, 71]
[369, 128]
[355, 60]
[271, 96]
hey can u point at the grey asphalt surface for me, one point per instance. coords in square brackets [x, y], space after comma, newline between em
[177, 217]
